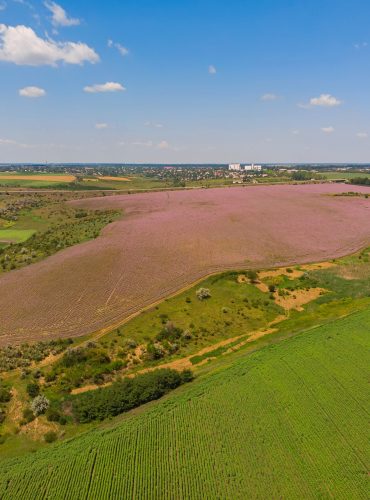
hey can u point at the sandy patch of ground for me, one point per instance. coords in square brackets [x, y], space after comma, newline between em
[38, 428]
[320, 265]
[15, 407]
[48, 178]
[298, 298]
[274, 273]
[108, 178]
[262, 286]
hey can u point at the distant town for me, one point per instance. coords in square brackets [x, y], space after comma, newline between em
[143, 176]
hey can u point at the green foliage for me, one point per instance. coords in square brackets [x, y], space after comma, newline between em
[12, 357]
[203, 293]
[33, 389]
[28, 416]
[288, 421]
[361, 181]
[5, 393]
[126, 394]
[252, 276]
[169, 332]
[50, 437]
[75, 227]
[74, 357]
[53, 414]
[39, 405]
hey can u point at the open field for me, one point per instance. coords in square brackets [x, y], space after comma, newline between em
[289, 421]
[166, 241]
[31, 177]
[241, 315]
[15, 235]
[344, 175]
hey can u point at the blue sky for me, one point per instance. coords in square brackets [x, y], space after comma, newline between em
[185, 81]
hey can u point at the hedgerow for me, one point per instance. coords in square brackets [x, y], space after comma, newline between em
[126, 394]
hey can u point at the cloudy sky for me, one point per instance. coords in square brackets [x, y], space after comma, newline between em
[185, 81]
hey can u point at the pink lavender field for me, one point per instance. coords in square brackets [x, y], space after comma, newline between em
[167, 240]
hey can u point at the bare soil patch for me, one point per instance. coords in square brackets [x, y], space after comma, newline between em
[38, 428]
[298, 298]
[47, 178]
[108, 178]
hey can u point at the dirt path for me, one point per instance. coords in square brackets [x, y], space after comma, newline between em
[185, 363]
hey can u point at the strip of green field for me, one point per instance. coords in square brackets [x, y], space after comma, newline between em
[289, 421]
[15, 235]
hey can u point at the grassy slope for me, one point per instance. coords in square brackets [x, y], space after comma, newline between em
[288, 421]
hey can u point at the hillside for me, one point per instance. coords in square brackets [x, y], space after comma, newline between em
[288, 421]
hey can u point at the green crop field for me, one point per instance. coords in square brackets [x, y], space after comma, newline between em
[344, 175]
[288, 421]
[16, 235]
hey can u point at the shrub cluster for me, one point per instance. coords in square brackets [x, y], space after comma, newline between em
[361, 181]
[126, 394]
[203, 293]
[42, 244]
[12, 357]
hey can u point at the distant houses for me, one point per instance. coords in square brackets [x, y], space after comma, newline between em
[237, 167]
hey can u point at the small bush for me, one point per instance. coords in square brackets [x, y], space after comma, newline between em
[203, 293]
[28, 416]
[50, 437]
[33, 389]
[252, 276]
[5, 394]
[53, 415]
[39, 405]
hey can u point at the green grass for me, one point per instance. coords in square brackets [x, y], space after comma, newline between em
[289, 421]
[344, 175]
[33, 184]
[16, 235]
[233, 309]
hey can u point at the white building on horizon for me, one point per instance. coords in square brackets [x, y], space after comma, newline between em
[253, 167]
[236, 167]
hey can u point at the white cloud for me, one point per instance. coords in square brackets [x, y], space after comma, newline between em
[360, 45]
[269, 97]
[32, 92]
[101, 126]
[104, 87]
[327, 130]
[121, 49]
[21, 45]
[147, 144]
[295, 132]
[324, 100]
[59, 15]
[163, 145]
[212, 70]
[2, 5]
[153, 124]
[362, 135]
[12, 142]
